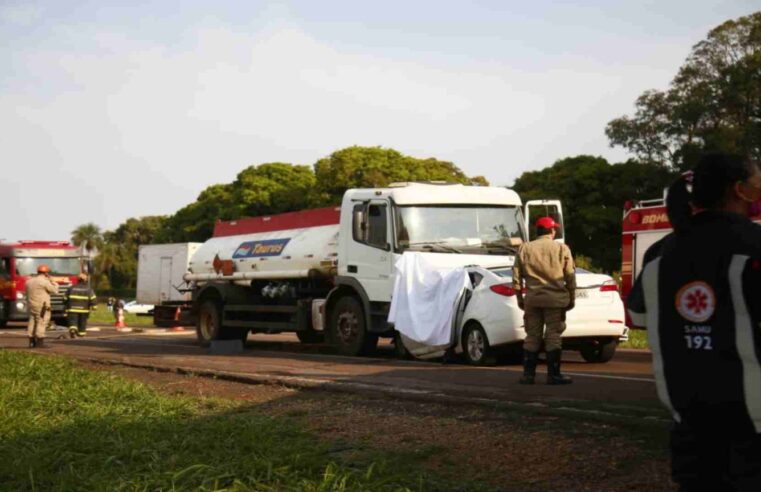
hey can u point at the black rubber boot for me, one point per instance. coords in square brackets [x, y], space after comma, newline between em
[553, 369]
[529, 367]
[32, 342]
[40, 343]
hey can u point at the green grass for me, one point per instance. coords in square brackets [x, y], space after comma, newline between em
[102, 316]
[66, 428]
[637, 339]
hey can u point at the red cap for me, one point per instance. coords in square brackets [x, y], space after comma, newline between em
[547, 223]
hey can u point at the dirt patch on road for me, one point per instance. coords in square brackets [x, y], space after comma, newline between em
[509, 449]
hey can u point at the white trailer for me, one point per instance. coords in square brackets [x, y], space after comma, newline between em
[160, 271]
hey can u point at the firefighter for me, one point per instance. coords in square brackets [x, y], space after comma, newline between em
[545, 268]
[699, 296]
[80, 300]
[38, 290]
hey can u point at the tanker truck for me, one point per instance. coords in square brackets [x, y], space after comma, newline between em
[328, 274]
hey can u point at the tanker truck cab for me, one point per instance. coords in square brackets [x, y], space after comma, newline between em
[329, 273]
[452, 224]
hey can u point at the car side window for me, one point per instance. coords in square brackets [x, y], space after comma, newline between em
[5, 267]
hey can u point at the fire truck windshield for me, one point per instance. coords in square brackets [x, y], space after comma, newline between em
[460, 229]
[58, 266]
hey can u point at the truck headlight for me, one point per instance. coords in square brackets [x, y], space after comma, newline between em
[21, 306]
[20, 296]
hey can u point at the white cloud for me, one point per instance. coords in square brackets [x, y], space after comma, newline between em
[21, 15]
[146, 126]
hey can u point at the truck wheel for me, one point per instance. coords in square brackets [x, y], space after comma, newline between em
[310, 336]
[208, 324]
[475, 346]
[3, 323]
[348, 333]
[600, 350]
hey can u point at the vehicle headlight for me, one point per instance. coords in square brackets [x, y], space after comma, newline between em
[20, 306]
[20, 295]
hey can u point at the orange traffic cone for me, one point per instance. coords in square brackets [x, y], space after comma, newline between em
[120, 325]
[177, 326]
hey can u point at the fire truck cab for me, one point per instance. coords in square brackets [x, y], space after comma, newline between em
[19, 261]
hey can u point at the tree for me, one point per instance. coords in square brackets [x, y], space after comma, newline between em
[712, 104]
[88, 237]
[362, 167]
[117, 259]
[268, 188]
[593, 193]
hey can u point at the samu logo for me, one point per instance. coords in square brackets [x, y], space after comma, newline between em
[696, 302]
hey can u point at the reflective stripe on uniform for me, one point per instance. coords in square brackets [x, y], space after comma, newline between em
[746, 346]
[650, 276]
[75, 310]
[80, 298]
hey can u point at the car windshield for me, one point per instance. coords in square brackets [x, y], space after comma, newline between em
[58, 266]
[460, 229]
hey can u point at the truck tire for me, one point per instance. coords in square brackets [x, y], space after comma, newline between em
[310, 336]
[600, 350]
[348, 331]
[208, 323]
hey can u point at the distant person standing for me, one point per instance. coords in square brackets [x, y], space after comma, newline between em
[699, 296]
[38, 290]
[545, 268]
[110, 304]
[80, 300]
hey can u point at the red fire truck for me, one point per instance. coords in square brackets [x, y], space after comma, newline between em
[645, 222]
[19, 261]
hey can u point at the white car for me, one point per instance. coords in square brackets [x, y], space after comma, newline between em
[492, 322]
[139, 309]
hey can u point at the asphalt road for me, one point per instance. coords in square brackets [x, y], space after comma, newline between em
[622, 386]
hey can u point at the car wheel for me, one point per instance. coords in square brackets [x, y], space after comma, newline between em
[347, 332]
[600, 350]
[475, 346]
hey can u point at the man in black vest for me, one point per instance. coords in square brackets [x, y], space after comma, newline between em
[80, 300]
[699, 296]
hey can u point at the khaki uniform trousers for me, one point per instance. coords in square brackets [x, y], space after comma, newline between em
[39, 319]
[543, 323]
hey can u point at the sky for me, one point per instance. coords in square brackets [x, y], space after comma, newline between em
[111, 110]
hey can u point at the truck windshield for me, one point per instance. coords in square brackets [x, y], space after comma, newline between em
[460, 229]
[58, 266]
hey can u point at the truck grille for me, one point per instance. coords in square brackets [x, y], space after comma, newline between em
[57, 303]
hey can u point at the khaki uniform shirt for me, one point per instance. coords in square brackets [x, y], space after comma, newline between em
[38, 290]
[546, 268]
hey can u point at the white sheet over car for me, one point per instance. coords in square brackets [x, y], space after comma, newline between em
[423, 303]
